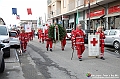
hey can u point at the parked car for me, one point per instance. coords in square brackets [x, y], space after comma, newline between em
[68, 33]
[4, 38]
[2, 63]
[14, 39]
[112, 38]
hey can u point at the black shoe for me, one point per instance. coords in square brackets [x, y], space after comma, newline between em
[102, 58]
[47, 49]
[80, 59]
[51, 50]
[96, 56]
[62, 49]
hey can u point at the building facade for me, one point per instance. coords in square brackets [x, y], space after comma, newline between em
[104, 13]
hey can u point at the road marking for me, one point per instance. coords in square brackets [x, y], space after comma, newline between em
[16, 55]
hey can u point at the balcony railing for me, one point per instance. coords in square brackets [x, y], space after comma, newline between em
[48, 2]
[71, 6]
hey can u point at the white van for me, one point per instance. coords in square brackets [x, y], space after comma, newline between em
[4, 38]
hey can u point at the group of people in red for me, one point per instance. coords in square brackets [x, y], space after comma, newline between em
[77, 38]
[43, 36]
[25, 37]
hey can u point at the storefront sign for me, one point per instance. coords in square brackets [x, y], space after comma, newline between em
[64, 17]
[114, 9]
[96, 13]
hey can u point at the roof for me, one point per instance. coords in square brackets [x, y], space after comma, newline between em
[26, 21]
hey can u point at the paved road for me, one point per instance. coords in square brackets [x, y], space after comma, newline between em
[58, 64]
[37, 63]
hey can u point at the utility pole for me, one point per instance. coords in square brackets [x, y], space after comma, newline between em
[89, 14]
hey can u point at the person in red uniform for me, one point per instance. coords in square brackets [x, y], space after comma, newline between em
[42, 36]
[29, 36]
[102, 37]
[39, 34]
[63, 42]
[49, 41]
[79, 41]
[23, 37]
[32, 34]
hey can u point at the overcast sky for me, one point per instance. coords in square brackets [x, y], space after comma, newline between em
[38, 7]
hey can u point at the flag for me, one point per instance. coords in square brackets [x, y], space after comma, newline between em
[18, 17]
[29, 11]
[14, 11]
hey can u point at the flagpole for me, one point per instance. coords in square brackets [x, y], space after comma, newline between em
[45, 17]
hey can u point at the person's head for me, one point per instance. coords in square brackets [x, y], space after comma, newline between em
[79, 26]
[22, 30]
[100, 29]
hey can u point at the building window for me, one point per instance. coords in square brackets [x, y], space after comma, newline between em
[64, 3]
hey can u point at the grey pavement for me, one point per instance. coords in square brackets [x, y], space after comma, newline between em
[58, 64]
[13, 68]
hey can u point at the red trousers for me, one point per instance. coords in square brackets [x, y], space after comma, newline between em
[24, 45]
[80, 50]
[49, 43]
[39, 37]
[31, 37]
[102, 50]
[63, 43]
[42, 37]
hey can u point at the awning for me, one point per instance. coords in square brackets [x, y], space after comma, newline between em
[114, 14]
[94, 18]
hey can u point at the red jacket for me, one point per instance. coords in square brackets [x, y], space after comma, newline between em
[79, 37]
[46, 35]
[23, 37]
[102, 37]
[39, 33]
